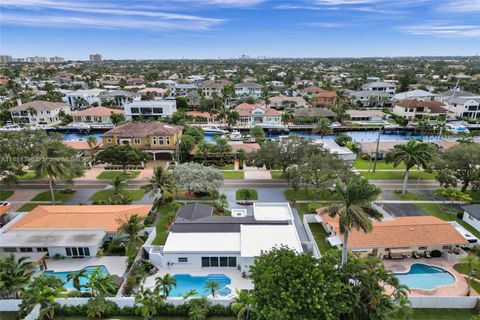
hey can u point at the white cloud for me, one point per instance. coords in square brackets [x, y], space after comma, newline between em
[237, 3]
[444, 30]
[461, 6]
[326, 25]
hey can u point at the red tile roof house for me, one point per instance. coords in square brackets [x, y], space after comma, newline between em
[257, 114]
[200, 117]
[67, 230]
[413, 109]
[325, 98]
[398, 237]
[95, 115]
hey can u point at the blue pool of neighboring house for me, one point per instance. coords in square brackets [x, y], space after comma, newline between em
[422, 276]
[187, 282]
[83, 281]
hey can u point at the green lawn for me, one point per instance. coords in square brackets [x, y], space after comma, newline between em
[474, 194]
[302, 194]
[30, 206]
[440, 314]
[277, 174]
[105, 194]
[398, 175]
[253, 194]
[109, 175]
[320, 236]
[58, 194]
[162, 227]
[229, 166]
[5, 194]
[139, 318]
[381, 165]
[306, 208]
[29, 175]
[4, 315]
[407, 196]
[441, 211]
[462, 268]
[233, 175]
[184, 195]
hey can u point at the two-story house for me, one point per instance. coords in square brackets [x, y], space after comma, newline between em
[39, 112]
[119, 97]
[97, 115]
[370, 99]
[380, 86]
[285, 102]
[209, 88]
[150, 109]
[413, 109]
[81, 99]
[257, 114]
[464, 107]
[250, 89]
[325, 98]
[158, 139]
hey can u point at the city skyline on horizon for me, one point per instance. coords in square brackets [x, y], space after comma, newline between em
[228, 29]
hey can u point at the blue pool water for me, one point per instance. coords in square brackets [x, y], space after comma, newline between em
[186, 282]
[83, 281]
[426, 277]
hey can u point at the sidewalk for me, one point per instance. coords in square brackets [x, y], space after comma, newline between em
[20, 197]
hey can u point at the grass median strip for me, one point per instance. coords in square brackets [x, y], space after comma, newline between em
[398, 175]
[233, 175]
[5, 194]
[110, 175]
[104, 195]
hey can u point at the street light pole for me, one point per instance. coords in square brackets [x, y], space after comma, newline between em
[376, 149]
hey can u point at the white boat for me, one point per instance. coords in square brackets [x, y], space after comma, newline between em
[214, 130]
[272, 126]
[235, 135]
[9, 127]
[456, 128]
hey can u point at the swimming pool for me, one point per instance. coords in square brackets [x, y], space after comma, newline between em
[83, 281]
[187, 282]
[422, 276]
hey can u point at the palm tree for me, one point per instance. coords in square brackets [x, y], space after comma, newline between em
[354, 210]
[92, 143]
[411, 154]
[131, 227]
[76, 276]
[14, 275]
[190, 293]
[198, 309]
[52, 168]
[242, 304]
[221, 148]
[232, 118]
[472, 263]
[287, 116]
[204, 147]
[149, 300]
[160, 182]
[213, 286]
[101, 284]
[323, 127]
[221, 203]
[166, 284]
[118, 183]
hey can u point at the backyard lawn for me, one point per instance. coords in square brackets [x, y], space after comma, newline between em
[302, 194]
[246, 194]
[29, 175]
[277, 174]
[306, 208]
[60, 195]
[165, 211]
[233, 174]
[103, 195]
[320, 236]
[5, 194]
[381, 165]
[109, 175]
[398, 175]
[440, 314]
[462, 268]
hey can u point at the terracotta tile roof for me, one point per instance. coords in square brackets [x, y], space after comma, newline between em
[217, 84]
[156, 90]
[327, 94]
[247, 147]
[433, 106]
[199, 114]
[245, 110]
[80, 145]
[401, 232]
[4, 209]
[313, 112]
[444, 144]
[312, 89]
[65, 217]
[143, 129]
[96, 112]
[40, 106]
[383, 146]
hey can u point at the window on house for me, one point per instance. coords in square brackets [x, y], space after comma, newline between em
[422, 248]
[26, 250]
[109, 140]
[154, 140]
[205, 262]
[135, 110]
[68, 251]
[167, 140]
[74, 251]
[232, 261]
[183, 259]
[446, 247]
[136, 141]
[214, 261]
[223, 262]
[10, 249]
[80, 251]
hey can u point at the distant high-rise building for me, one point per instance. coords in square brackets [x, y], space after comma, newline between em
[95, 57]
[56, 59]
[37, 59]
[5, 59]
[18, 59]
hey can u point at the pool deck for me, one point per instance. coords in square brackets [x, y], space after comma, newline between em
[115, 265]
[238, 282]
[459, 288]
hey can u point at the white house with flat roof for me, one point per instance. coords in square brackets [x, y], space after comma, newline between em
[150, 109]
[198, 239]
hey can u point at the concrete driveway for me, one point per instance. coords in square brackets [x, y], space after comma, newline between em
[402, 209]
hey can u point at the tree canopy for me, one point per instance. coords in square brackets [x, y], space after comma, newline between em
[122, 155]
[197, 178]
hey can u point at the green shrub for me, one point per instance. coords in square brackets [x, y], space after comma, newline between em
[460, 215]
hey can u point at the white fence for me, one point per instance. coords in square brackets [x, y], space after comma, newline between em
[443, 302]
[311, 218]
[34, 314]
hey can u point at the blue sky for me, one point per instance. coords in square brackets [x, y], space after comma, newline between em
[159, 29]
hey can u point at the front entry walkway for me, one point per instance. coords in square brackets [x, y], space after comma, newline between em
[254, 173]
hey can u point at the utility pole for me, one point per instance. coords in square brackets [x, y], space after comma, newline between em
[376, 149]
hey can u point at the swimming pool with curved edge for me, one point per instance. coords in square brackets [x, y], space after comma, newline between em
[425, 277]
[83, 281]
[187, 282]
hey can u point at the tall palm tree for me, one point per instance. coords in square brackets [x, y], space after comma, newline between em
[131, 227]
[323, 127]
[287, 116]
[222, 148]
[52, 168]
[411, 154]
[232, 118]
[166, 284]
[15, 275]
[160, 182]
[354, 210]
[242, 304]
[213, 286]
[204, 147]
[101, 284]
[472, 264]
[76, 276]
[150, 301]
[118, 184]
[92, 143]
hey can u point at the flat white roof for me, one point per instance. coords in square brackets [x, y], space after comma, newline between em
[258, 238]
[272, 212]
[185, 242]
[51, 238]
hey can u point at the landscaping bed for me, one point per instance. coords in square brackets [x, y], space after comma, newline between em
[60, 195]
[104, 195]
[167, 212]
[320, 236]
[363, 164]
[30, 206]
[246, 194]
[398, 175]
[407, 196]
[110, 175]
